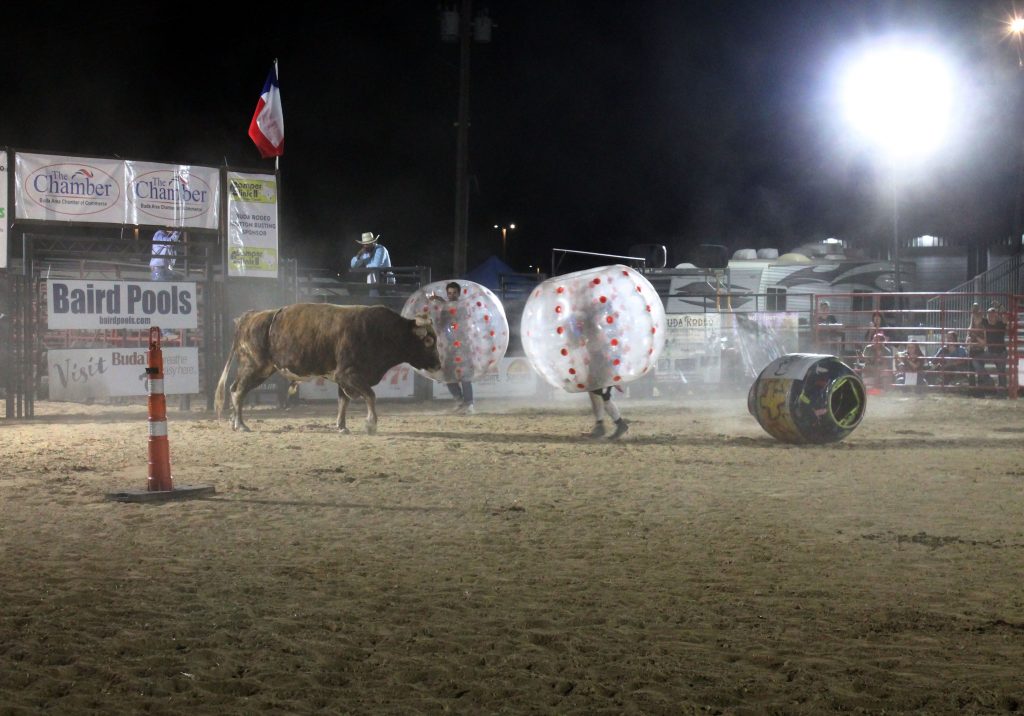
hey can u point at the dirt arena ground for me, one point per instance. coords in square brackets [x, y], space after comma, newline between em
[499, 563]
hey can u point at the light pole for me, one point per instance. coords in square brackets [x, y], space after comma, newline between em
[504, 239]
[1015, 29]
[899, 98]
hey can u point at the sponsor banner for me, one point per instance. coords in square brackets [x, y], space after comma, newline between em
[3, 208]
[84, 374]
[697, 342]
[54, 188]
[172, 195]
[692, 346]
[114, 191]
[396, 383]
[515, 378]
[252, 225]
[78, 304]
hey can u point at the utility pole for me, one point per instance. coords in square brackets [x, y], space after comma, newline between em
[462, 142]
[460, 25]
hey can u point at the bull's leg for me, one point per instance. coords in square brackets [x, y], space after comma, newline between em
[249, 376]
[342, 409]
[358, 386]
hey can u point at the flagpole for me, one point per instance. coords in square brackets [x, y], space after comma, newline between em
[277, 158]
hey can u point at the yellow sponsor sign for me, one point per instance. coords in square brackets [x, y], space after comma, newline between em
[254, 190]
[252, 258]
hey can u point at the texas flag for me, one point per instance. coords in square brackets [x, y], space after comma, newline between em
[267, 126]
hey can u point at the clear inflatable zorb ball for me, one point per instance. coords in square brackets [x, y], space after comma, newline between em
[595, 328]
[472, 330]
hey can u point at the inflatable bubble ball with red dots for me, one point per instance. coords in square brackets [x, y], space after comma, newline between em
[594, 328]
[472, 330]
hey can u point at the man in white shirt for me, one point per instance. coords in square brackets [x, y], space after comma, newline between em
[161, 266]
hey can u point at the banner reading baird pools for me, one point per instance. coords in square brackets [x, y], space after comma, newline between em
[78, 304]
[91, 373]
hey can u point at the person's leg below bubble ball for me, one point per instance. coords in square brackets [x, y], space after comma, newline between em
[456, 390]
[601, 403]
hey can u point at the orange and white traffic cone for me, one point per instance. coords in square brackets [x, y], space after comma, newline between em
[159, 451]
[159, 486]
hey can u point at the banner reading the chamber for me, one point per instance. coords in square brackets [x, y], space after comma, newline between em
[78, 304]
[114, 191]
[172, 195]
[3, 209]
[252, 225]
[54, 188]
[83, 374]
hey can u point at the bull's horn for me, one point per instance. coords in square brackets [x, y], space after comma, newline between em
[423, 320]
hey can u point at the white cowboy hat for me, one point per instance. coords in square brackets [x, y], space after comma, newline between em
[368, 238]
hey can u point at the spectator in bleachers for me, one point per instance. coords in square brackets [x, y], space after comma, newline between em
[877, 362]
[912, 362]
[830, 334]
[877, 326]
[950, 361]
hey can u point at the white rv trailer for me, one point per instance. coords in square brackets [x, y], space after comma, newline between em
[785, 283]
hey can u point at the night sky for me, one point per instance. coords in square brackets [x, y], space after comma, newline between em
[594, 125]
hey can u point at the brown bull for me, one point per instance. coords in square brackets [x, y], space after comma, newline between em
[352, 345]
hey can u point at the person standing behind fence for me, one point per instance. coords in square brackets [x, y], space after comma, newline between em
[995, 342]
[165, 252]
[371, 255]
[976, 346]
[830, 334]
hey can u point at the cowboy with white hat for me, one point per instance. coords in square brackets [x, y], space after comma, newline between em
[371, 255]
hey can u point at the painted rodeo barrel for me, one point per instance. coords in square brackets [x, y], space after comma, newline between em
[805, 398]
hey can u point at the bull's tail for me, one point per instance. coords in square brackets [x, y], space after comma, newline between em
[222, 384]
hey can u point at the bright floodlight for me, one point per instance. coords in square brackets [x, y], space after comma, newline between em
[1017, 25]
[900, 98]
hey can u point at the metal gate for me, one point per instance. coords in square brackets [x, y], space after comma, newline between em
[24, 334]
[16, 376]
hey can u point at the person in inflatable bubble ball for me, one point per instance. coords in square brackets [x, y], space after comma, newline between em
[592, 332]
[462, 391]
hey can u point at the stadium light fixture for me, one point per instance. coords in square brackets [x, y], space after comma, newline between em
[898, 97]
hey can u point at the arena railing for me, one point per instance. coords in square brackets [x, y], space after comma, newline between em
[924, 319]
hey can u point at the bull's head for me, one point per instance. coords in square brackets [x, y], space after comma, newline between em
[427, 359]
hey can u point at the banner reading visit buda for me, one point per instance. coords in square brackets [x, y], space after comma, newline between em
[252, 225]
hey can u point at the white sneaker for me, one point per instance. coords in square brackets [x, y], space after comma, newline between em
[470, 410]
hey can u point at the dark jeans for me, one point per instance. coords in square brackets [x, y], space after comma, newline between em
[981, 370]
[462, 391]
